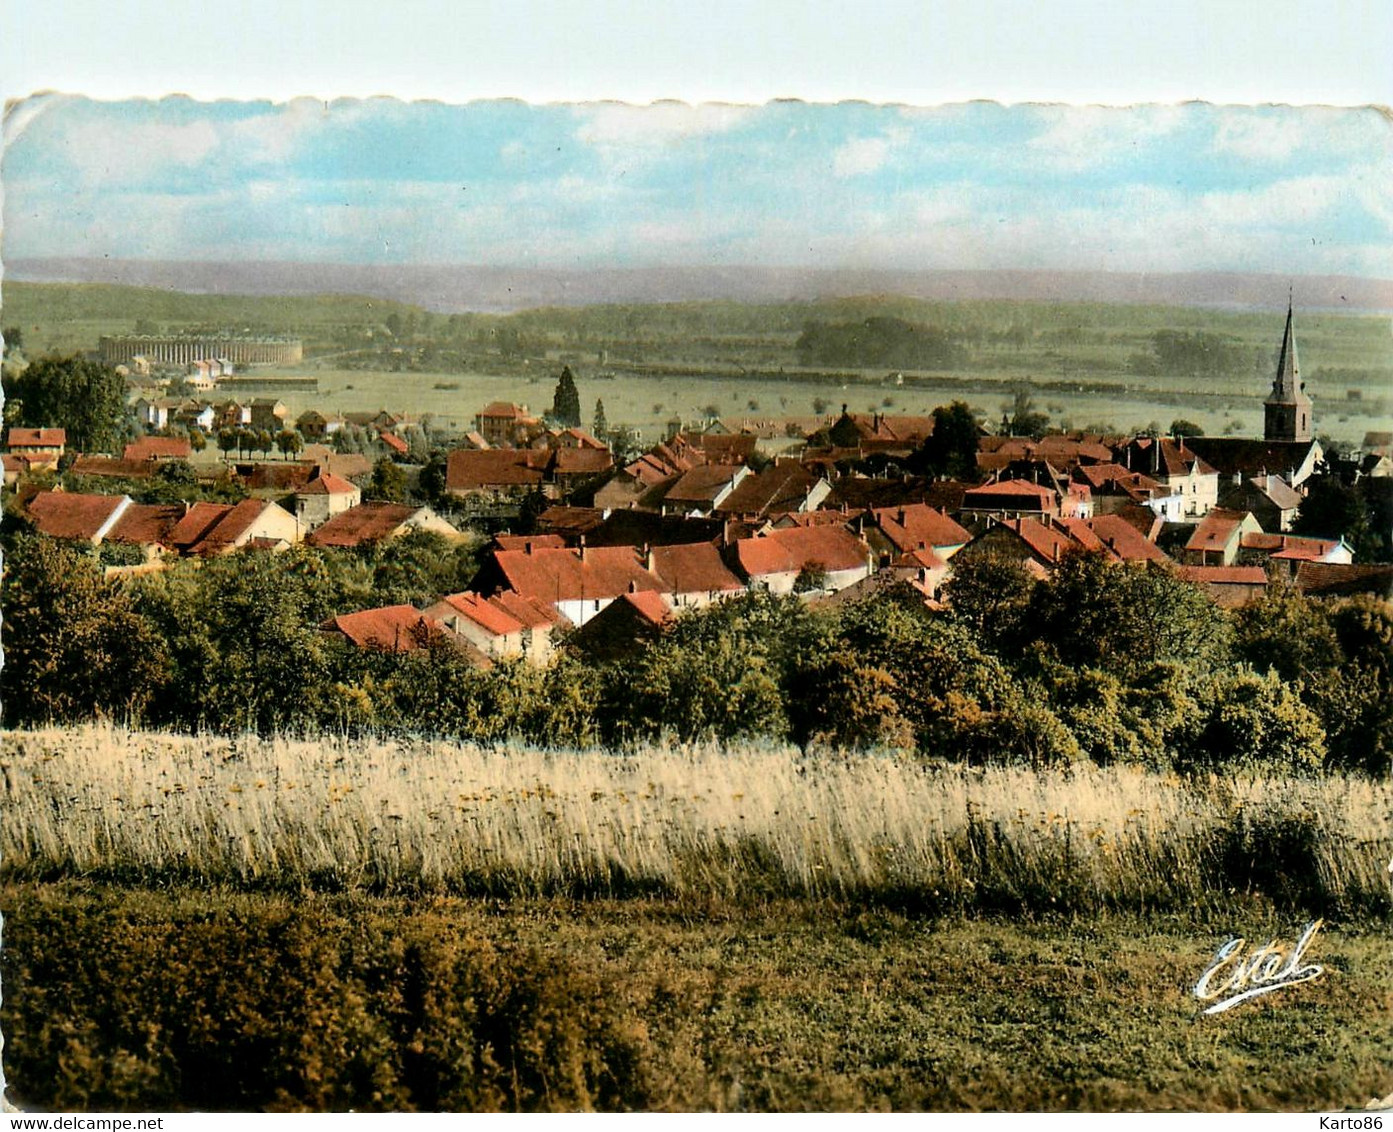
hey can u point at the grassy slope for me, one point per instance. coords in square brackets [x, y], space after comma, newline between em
[128, 999]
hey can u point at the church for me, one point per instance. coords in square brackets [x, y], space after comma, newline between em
[1286, 456]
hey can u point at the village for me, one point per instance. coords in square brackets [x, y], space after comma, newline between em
[577, 547]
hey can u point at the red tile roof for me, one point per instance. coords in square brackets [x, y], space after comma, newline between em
[210, 528]
[689, 568]
[196, 522]
[918, 525]
[1216, 530]
[38, 438]
[781, 487]
[505, 410]
[649, 606]
[365, 523]
[598, 572]
[1224, 575]
[581, 461]
[484, 613]
[394, 442]
[66, 514]
[1011, 495]
[1046, 543]
[158, 448]
[326, 483]
[109, 466]
[1289, 546]
[468, 469]
[146, 524]
[522, 542]
[789, 550]
[1125, 541]
[392, 628]
[531, 613]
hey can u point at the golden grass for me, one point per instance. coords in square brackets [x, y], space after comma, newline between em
[704, 821]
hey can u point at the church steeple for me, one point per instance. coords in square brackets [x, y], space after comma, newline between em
[1287, 410]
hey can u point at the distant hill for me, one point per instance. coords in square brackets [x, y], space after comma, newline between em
[457, 288]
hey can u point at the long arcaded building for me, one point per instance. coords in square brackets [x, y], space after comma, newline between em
[184, 348]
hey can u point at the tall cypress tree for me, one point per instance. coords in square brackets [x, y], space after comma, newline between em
[565, 404]
[601, 425]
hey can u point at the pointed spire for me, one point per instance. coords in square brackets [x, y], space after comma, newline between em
[1287, 383]
[1287, 410]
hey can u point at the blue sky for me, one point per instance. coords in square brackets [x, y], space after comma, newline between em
[975, 185]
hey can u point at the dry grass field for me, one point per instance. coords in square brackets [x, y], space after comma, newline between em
[707, 823]
[210, 923]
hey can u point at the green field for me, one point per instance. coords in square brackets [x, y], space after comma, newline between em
[1081, 359]
[182, 998]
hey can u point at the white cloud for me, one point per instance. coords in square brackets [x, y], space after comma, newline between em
[620, 127]
[1273, 134]
[135, 152]
[274, 137]
[1081, 137]
[860, 156]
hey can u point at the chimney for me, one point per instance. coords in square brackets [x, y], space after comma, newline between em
[648, 558]
[582, 548]
[1155, 455]
[900, 517]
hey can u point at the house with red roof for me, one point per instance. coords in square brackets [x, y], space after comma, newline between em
[41, 447]
[893, 532]
[627, 623]
[785, 487]
[505, 425]
[1291, 549]
[1228, 586]
[824, 558]
[1114, 487]
[578, 583]
[702, 489]
[1175, 465]
[693, 574]
[1219, 536]
[367, 524]
[323, 496]
[391, 628]
[501, 474]
[158, 448]
[505, 625]
[219, 528]
[1010, 499]
[76, 516]
[484, 624]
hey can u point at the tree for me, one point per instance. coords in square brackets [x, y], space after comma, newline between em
[75, 647]
[565, 403]
[227, 440]
[264, 441]
[14, 338]
[289, 442]
[246, 441]
[601, 426]
[197, 441]
[431, 482]
[1020, 417]
[1181, 427]
[85, 398]
[1330, 510]
[1093, 613]
[951, 449]
[388, 481]
[989, 593]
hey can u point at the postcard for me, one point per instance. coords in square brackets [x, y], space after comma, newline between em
[785, 607]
